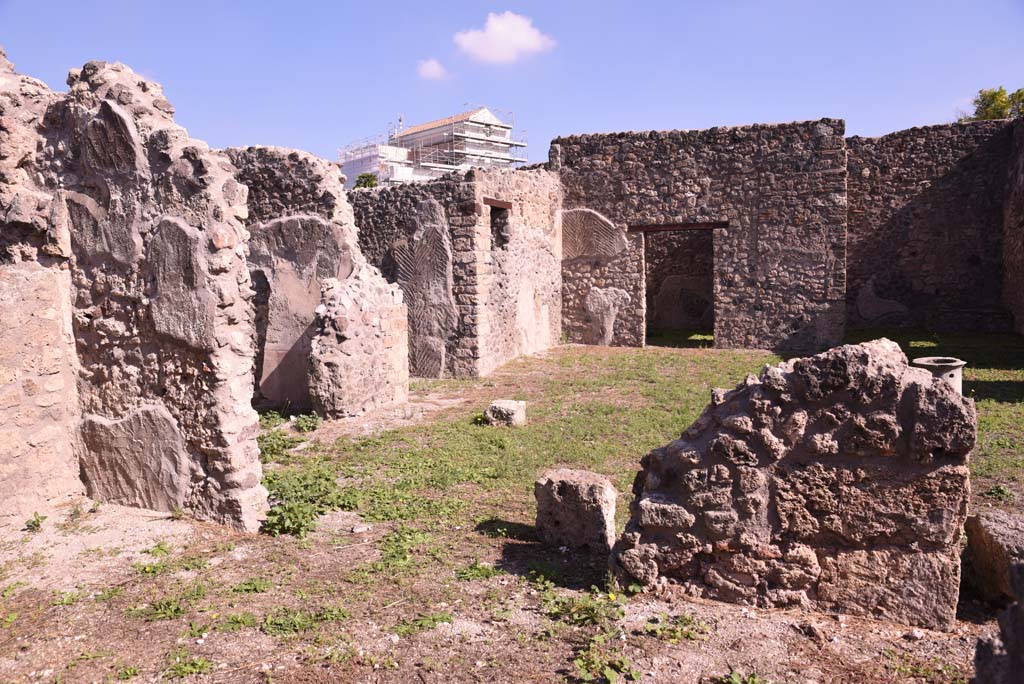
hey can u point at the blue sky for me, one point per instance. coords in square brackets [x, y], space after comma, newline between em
[316, 75]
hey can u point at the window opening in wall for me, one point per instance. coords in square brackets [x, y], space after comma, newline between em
[500, 234]
[679, 270]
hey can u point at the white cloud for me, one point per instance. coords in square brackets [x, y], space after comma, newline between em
[505, 38]
[432, 70]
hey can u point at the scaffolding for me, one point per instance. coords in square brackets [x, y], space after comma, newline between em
[481, 138]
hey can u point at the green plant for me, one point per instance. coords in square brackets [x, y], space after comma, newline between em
[596, 663]
[181, 664]
[296, 518]
[127, 672]
[307, 422]
[588, 609]
[275, 444]
[271, 419]
[161, 609]
[253, 585]
[109, 593]
[237, 621]
[737, 677]
[366, 180]
[8, 620]
[198, 629]
[177, 513]
[67, 598]
[159, 550]
[421, 623]
[285, 621]
[35, 523]
[477, 571]
[675, 628]
[999, 493]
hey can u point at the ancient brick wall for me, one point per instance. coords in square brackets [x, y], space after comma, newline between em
[471, 307]
[1013, 232]
[680, 279]
[779, 266]
[925, 227]
[520, 272]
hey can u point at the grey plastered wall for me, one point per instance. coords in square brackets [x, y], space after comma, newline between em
[780, 265]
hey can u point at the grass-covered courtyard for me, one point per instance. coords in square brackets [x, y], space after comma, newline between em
[408, 555]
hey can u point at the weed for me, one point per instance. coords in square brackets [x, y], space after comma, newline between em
[999, 492]
[237, 621]
[35, 523]
[271, 419]
[181, 664]
[161, 609]
[675, 628]
[109, 593]
[307, 422]
[253, 585]
[159, 550]
[300, 496]
[737, 677]
[477, 571]
[274, 445]
[198, 629]
[296, 518]
[421, 623]
[284, 621]
[127, 672]
[67, 598]
[8, 620]
[177, 513]
[589, 609]
[596, 663]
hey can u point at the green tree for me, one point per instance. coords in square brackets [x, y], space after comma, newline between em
[996, 103]
[366, 180]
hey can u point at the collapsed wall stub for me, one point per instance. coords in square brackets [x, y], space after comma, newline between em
[330, 331]
[480, 251]
[926, 227]
[837, 481]
[780, 262]
[132, 230]
[600, 298]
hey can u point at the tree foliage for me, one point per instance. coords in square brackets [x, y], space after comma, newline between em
[366, 180]
[996, 103]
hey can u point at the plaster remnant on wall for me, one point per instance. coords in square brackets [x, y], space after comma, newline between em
[602, 306]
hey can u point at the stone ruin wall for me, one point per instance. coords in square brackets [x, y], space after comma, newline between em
[780, 265]
[468, 309]
[329, 328]
[926, 227]
[680, 279]
[147, 223]
[38, 363]
[837, 482]
[1013, 232]
[520, 277]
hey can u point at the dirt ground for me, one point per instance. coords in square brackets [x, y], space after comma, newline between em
[406, 591]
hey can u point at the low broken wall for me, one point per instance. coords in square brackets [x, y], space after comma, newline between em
[1013, 232]
[838, 482]
[779, 266]
[473, 305]
[926, 227]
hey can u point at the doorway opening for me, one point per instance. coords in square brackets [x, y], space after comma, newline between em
[679, 273]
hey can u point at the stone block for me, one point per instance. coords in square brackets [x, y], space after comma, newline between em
[995, 543]
[575, 509]
[506, 412]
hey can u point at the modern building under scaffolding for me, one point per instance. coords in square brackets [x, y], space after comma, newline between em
[477, 138]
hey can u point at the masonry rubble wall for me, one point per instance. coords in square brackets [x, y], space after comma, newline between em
[38, 367]
[680, 280]
[1013, 231]
[145, 258]
[472, 306]
[304, 237]
[780, 265]
[926, 215]
[837, 481]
